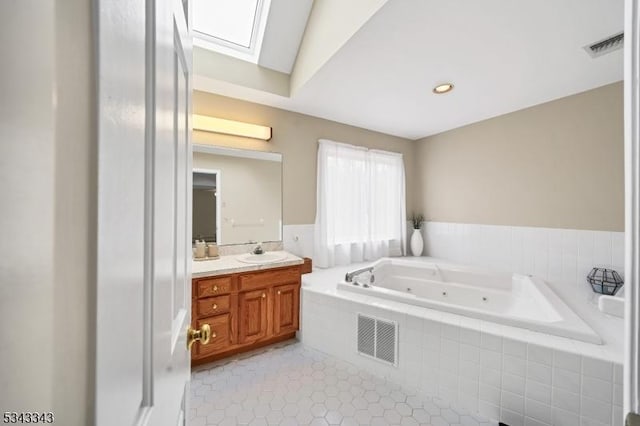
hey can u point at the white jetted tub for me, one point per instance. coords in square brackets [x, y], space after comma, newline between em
[515, 300]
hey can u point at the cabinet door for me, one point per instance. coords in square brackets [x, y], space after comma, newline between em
[252, 315]
[286, 308]
[220, 336]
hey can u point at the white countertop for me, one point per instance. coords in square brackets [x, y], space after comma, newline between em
[230, 264]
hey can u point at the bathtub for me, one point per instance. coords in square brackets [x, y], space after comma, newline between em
[514, 300]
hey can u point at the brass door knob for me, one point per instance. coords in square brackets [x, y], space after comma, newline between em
[203, 335]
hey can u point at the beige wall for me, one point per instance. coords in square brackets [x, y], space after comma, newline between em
[48, 187]
[27, 189]
[296, 137]
[558, 165]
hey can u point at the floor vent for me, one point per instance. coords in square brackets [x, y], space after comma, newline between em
[378, 339]
[608, 45]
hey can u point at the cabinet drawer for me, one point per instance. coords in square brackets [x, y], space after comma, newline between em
[258, 280]
[221, 329]
[213, 286]
[213, 306]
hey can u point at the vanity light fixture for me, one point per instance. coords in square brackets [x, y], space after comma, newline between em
[443, 88]
[231, 127]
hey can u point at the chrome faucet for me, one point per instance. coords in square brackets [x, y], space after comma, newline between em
[258, 249]
[351, 275]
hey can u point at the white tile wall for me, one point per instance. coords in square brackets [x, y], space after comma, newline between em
[233, 249]
[298, 239]
[560, 256]
[478, 370]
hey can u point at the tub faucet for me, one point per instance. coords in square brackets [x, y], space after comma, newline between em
[351, 275]
[439, 273]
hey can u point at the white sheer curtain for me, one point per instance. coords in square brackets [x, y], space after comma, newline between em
[361, 206]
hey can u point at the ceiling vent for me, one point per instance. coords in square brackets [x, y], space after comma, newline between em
[605, 46]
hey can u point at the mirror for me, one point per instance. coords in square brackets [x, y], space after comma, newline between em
[237, 195]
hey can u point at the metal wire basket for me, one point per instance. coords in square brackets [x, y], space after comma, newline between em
[605, 281]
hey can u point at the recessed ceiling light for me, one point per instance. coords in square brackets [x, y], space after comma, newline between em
[443, 88]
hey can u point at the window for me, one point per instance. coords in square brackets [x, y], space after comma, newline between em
[360, 213]
[231, 27]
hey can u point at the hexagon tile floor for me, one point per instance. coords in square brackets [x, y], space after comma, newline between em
[295, 385]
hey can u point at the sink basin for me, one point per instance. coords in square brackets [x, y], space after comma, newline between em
[261, 259]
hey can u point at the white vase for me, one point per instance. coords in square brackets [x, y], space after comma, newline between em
[416, 243]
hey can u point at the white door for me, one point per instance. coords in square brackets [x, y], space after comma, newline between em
[172, 213]
[144, 213]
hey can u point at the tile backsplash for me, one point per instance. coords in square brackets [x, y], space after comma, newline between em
[560, 256]
[556, 255]
[298, 239]
[233, 249]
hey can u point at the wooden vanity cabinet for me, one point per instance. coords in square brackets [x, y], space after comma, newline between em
[245, 310]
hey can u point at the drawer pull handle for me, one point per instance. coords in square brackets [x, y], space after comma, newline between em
[213, 335]
[264, 295]
[214, 307]
[278, 292]
[214, 288]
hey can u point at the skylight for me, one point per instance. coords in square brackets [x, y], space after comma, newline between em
[231, 27]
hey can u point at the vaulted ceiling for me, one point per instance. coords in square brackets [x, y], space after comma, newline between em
[376, 67]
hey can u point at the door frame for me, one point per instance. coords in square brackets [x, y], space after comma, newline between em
[218, 174]
[632, 206]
